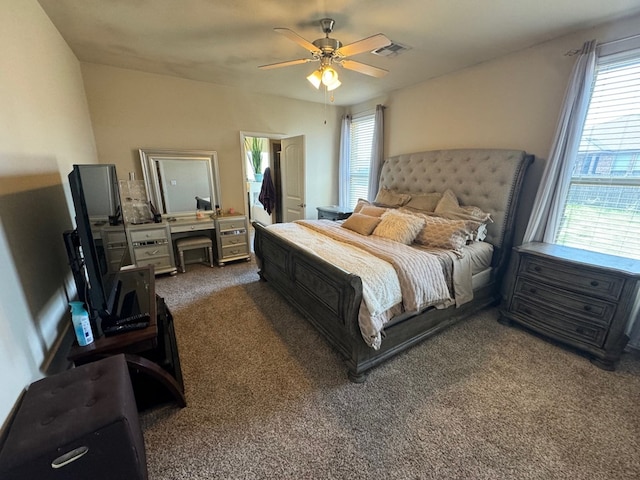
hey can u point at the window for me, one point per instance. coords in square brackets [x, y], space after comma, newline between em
[602, 208]
[360, 157]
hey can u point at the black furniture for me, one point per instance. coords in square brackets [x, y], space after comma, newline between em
[333, 212]
[579, 298]
[79, 424]
[151, 352]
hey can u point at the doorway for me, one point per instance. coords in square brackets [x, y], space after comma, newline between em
[288, 182]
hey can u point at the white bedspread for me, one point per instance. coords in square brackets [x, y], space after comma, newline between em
[406, 278]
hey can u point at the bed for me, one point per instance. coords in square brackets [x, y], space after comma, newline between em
[330, 295]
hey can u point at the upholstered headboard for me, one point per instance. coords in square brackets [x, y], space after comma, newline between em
[487, 178]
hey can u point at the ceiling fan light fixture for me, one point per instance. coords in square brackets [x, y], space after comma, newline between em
[334, 85]
[329, 76]
[315, 78]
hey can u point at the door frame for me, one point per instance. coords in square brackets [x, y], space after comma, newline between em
[243, 160]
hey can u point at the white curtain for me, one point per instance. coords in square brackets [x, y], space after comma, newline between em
[345, 152]
[550, 199]
[377, 153]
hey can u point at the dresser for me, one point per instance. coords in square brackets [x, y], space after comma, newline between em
[150, 244]
[232, 238]
[579, 298]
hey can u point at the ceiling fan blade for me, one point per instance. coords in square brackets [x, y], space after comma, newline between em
[365, 45]
[291, 35]
[364, 68]
[285, 64]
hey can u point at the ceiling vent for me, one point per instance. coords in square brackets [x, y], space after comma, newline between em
[391, 50]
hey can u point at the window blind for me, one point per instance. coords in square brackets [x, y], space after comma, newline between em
[602, 208]
[360, 157]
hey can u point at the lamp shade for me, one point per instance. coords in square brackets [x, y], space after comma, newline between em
[315, 78]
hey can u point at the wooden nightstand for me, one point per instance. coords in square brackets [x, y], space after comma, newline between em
[579, 298]
[333, 212]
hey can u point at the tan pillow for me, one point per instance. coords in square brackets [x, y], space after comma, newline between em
[362, 224]
[360, 204]
[391, 198]
[443, 233]
[399, 227]
[425, 202]
[449, 207]
[373, 211]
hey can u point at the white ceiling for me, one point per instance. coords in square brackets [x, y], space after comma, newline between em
[224, 41]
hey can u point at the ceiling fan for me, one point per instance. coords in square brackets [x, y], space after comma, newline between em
[330, 51]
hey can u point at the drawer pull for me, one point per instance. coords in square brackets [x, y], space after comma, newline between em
[532, 290]
[594, 283]
[537, 268]
[155, 252]
[527, 311]
[587, 308]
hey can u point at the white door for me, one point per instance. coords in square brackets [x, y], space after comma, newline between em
[292, 173]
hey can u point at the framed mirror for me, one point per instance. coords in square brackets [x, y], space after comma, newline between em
[179, 182]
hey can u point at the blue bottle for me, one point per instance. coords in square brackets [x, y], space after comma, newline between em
[81, 324]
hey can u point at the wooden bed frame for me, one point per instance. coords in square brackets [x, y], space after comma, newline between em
[330, 298]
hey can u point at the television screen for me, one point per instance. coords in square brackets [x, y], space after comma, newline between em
[101, 238]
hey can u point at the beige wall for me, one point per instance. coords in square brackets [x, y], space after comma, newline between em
[44, 129]
[132, 110]
[511, 102]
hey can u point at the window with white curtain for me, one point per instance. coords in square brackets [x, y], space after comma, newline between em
[602, 209]
[360, 157]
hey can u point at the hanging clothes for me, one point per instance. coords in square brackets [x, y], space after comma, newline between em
[267, 195]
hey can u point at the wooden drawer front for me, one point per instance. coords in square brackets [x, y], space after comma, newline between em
[231, 240]
[232, 224]
[582, 280]
[151, 251]
[138, 236]
[546, 319]
[178, 227]
[590, 308]
[114, 237]
[234, 251]
[158, 263]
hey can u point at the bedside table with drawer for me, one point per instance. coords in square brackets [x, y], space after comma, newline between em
[576, 297]
[333, 212]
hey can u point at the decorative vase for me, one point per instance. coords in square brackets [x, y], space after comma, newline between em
[258, 176]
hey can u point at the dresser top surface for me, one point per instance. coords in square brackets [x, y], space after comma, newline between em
[627, 266]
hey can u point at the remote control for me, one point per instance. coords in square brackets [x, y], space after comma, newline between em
[127, 327]
[140, 317]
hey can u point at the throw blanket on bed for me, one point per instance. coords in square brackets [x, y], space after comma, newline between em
[420, 274]
[380, 285]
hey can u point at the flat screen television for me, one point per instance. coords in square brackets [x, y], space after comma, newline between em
[96, 200]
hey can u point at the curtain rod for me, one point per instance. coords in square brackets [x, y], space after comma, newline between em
[575, 51]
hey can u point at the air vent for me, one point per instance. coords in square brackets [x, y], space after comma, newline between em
[391, 50]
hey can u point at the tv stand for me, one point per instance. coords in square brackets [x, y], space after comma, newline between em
[151, 353]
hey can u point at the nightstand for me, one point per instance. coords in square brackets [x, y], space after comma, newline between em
[334, 212]
[580, 298]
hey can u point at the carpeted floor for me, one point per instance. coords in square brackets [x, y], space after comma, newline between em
[268, 398]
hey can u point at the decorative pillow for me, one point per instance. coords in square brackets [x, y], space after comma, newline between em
[391, 198]
[449, 207]
[373, 211]
[398, 226]
[425, 202]
[360, 204]
[362, 224]
[443, 233]
[477, 231]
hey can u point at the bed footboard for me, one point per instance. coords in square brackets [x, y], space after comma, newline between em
[326, 295]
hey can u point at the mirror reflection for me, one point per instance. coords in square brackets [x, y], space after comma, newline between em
[179, 182]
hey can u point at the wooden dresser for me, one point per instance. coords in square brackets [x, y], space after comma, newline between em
[580, 298]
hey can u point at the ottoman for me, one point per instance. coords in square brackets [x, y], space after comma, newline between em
[79, 424]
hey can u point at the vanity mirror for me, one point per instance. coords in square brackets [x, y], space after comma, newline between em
[179, 182]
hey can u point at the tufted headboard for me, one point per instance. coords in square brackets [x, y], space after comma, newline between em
[487, 178]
